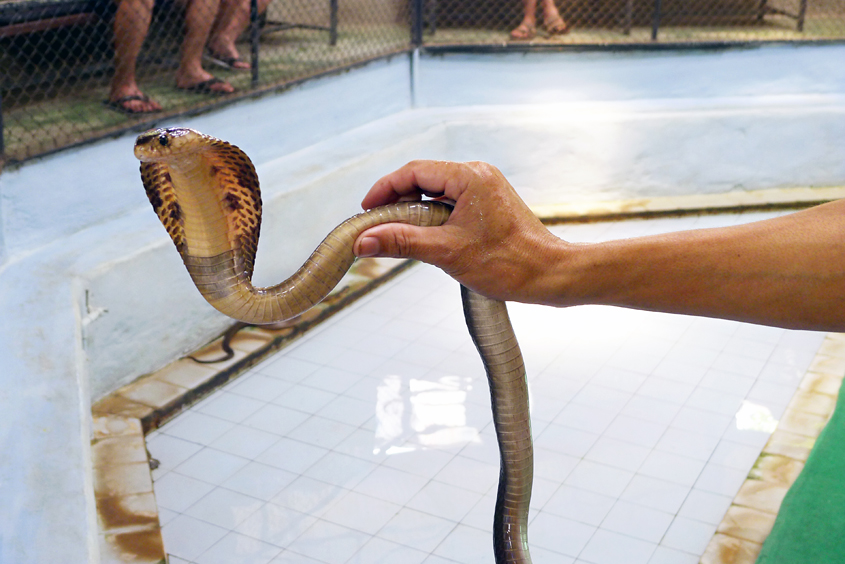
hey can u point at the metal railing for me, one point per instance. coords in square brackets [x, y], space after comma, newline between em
[60, 60]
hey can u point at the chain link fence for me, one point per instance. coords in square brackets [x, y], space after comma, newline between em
[74, 70]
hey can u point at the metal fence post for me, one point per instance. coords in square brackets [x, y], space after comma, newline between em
[417, 22]
[2, 141]
[254, 36]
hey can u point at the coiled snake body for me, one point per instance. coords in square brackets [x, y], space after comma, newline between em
[205, 192]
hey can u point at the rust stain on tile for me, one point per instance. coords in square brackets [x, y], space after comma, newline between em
[724, 549]
[747, 524]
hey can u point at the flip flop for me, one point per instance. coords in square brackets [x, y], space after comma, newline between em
[524, 32]
[225, 62]
[120, 104]
[206, 87]
[557, 26]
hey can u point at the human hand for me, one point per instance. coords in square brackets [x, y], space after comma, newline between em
[492, 243]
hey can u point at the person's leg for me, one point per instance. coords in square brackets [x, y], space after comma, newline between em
[232, 21]
[199, 17]
[131, 23]
[528, 26]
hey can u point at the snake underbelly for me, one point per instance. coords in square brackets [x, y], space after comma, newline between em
[205, 191]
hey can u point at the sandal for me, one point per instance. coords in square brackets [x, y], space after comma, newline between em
[524, 32]
[120, 104]
[557, 26]
[225, 62]
[206, 87]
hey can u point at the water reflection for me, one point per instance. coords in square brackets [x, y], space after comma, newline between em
[431, 413]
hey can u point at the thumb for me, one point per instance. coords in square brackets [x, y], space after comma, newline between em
[398, 240]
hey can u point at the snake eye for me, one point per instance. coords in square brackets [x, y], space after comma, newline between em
[163, 140]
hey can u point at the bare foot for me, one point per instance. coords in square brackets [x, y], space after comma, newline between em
[226, 56]
[555, 25]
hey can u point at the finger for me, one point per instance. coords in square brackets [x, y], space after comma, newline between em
[400, 240]
[430, 178]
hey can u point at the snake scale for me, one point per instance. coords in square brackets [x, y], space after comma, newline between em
[205, 192]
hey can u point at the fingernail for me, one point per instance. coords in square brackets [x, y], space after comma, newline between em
[369, 247]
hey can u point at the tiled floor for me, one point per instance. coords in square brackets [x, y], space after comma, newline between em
[370, 440]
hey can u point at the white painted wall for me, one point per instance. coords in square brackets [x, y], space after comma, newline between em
[92, 294]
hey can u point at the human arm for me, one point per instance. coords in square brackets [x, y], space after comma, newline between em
[787, 271]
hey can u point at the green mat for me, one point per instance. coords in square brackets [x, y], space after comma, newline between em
[810, 526]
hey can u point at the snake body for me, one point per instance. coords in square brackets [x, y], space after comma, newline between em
[205, 192]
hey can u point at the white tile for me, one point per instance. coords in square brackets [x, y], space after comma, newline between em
[623, 377]
[235, 548]
[275, 419]
[304, 398]
[286, 368]
[332, 379]
[602, 398]
[212, 466]
[679, 371]
[290, 455]
[700, 421]
[566, 440]
[177, 493]
[259, 481]
[545, 556]
[678, 469]
[231, 407]
[170, 451]
[735, 455]
[380, 551]
[391, 485]
[584, 418]
[245, 441]
[721, 479]
[751, 348]
[329, 543]
[599, 478]
[553, 465]
[197, 428]
[467, 545]
[165, 516]
[187, 537]
[666, 390]
[321, 432]
[687, 443]
[421, 461]
[616, 453]
[444, 500]
[340, 469]
[637, 521]
[579, 505]
[469, 474]
[258, 386]
[707, 399]
[309, 496]
[738, 365]
[635, 431]
[705, 506]
[559, 534]
[688, 535]
[288, 557]
[357, 361]
[361, 512]
[651, 409]
[658, 494]
[348, 410]
[611, 548]
[666, 555]
[727, 381]
[416, 529]
[224, 508]
[276, 525]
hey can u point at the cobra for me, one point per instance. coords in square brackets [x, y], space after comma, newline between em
[205, 191]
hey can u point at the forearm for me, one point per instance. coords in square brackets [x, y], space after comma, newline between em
[788, 271]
